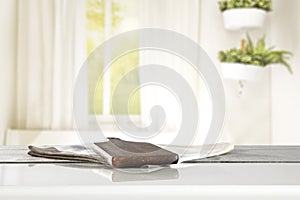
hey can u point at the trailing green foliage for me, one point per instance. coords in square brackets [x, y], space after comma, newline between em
[231, 4]
[257, 54]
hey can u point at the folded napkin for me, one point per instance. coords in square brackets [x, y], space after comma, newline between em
[87, 154]
[72, 152]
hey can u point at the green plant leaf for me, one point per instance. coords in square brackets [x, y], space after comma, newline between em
[260, 45]
[231, 4]
[249, 47]
[257, 54]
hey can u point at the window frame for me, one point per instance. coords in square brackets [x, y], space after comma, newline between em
[106, 118]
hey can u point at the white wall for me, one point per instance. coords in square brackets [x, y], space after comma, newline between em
[7, 62]
[248, 116]
[269, 110]
[285, 32]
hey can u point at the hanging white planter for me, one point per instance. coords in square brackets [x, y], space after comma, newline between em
[244, 18]
[242, 71]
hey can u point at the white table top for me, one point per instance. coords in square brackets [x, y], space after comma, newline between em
[209, 180]
[270, 172]
[196, 174]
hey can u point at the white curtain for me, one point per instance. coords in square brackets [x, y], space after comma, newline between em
[183, 17]
[50, 49]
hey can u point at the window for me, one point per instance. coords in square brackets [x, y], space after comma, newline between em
[104, 19]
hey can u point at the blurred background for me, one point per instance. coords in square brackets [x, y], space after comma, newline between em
[43, 44]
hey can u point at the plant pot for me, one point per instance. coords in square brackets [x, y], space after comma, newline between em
[244, 18]
[242, 72]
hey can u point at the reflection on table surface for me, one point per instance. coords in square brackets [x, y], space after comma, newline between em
[186, 174]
